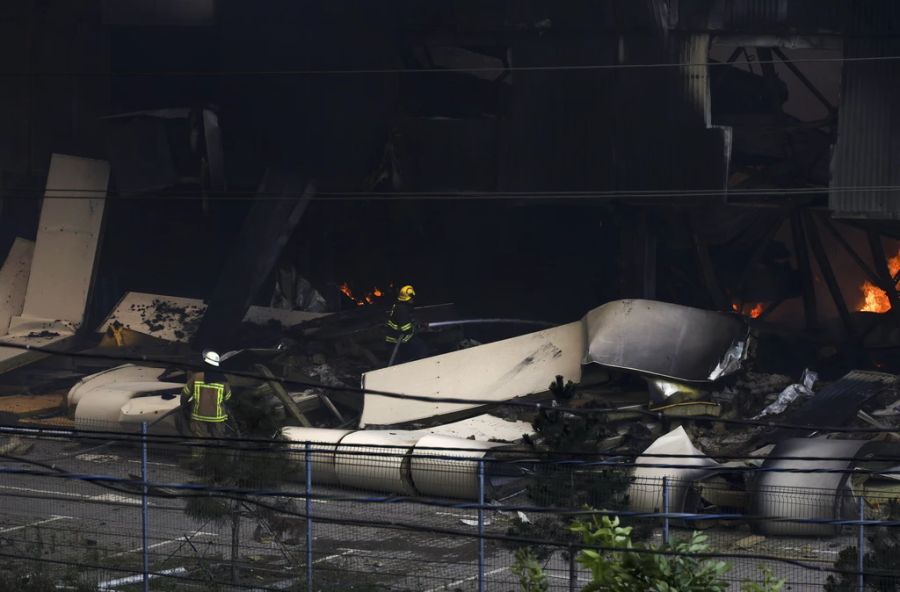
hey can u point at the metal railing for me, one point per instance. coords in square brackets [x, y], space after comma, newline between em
[129, 512]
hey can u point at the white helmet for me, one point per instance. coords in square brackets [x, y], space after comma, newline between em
[211, 358]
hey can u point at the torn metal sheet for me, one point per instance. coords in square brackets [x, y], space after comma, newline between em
[166, 317]
[14, 281]
[480, 427]
[836, 404]
[323, 444]
[497, 371]
[440, 466]
[667, 340]
[786, 490]
[68, 234]
[376, 460]
[263, 315]
[646, 490]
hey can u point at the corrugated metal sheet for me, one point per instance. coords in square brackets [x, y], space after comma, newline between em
[864, 175]
[693, 81]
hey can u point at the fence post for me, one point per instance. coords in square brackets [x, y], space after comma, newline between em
[144, 508]
[309, 524]
[573, 573]
[861, 547]
[665, 500]
[481, 525]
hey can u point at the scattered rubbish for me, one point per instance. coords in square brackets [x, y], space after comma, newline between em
[791, 394]
[474, 521]
[749, 541]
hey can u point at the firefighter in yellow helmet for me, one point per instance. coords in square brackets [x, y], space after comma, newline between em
[207, 393]
[400, 327]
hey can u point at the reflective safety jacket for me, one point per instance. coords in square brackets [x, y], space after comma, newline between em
[207, 392]
[400, 323]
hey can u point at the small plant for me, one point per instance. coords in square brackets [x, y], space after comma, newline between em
[529, 571]
[769, 583]
[622, 567]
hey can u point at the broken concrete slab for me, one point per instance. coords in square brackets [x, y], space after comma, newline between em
[494, 372]
[14, 281]
[671, 341]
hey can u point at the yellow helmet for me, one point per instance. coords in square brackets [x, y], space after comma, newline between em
[406, 294]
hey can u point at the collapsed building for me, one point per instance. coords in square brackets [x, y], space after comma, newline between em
[515, 161]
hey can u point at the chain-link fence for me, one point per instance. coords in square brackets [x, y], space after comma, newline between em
[106, 510]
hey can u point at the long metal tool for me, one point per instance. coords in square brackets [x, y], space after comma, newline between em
[309, 525]
[144, 509]
[481, 525]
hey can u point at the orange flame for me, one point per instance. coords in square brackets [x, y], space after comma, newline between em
[753, 312]
[874, 298]
[368, 298]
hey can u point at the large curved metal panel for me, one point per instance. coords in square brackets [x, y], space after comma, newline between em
[323, 444]
[440, 466]
[646, 491]
[127, 373]
[668, 340]
[789, 487]
[496, 371]
[376, 460]
[124, 406]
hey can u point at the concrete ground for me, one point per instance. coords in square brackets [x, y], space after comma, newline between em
[73, 522]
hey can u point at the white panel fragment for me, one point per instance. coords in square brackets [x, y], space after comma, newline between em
[14, 281]
[496, 372]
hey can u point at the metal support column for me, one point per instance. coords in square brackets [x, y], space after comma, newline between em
[665, 496]
[307, 454]
[573, 572]
[144, 509]
[481, 525]
[861, 547]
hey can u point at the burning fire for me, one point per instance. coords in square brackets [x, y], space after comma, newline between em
[753, 312]
[874, 298]
[368, 298]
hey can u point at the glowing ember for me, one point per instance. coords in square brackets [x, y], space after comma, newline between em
[874, 298]
[754, 311]
[369, 297]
